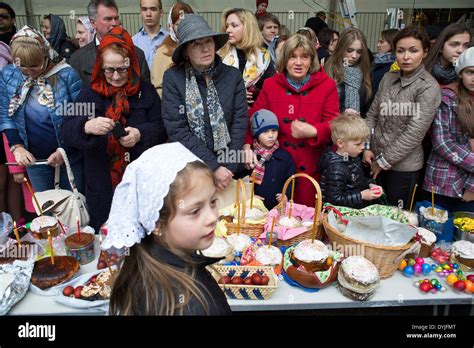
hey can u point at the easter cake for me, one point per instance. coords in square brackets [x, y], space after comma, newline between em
[358, 278]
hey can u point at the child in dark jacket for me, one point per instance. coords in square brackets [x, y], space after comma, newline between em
[275, 165]
[343, 181]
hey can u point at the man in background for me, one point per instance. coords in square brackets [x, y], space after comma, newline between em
[152, 34]
[7, 23]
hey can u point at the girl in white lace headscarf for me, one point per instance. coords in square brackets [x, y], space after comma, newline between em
[165, 211]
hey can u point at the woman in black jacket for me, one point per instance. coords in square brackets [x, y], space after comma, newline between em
[204, 101]
[55, 31]
[115, 120]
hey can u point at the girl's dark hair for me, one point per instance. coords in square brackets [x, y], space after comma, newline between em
[414, 33]
[446, 34]
[326, 36]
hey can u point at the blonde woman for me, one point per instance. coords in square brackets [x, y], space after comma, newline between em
[162, 60]
[349, 66]
[244, 50]
[35, 91]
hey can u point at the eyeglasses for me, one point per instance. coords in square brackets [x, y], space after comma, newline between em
[4, 16]
[111, 71]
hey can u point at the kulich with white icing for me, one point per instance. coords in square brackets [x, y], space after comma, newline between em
[253, 214]
[308, 251]
[360, 269]
[463, 248]
[218, 248]
[42, 223]
[290, 222]
[440, 216]
[426, 237]
[239, 242]
[269, 255]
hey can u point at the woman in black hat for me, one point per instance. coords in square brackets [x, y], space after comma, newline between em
[204, 102]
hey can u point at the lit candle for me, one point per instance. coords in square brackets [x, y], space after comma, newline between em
[15, 231]
[33, 194]
[50, 240]
[60, 225]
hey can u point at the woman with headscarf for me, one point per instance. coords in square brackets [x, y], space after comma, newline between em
[85, 32]
[127, 121]
[35, 93]
[54, 30]
[162, 60]
[204, 103]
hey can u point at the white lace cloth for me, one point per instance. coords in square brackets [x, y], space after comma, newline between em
[139, 198]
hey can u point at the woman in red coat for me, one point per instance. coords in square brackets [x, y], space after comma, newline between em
[304, 99]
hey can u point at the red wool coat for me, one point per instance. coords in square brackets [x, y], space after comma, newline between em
[315, 103]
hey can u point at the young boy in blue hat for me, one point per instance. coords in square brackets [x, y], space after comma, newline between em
[275, 165]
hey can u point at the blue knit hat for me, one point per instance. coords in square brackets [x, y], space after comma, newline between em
[261, 121]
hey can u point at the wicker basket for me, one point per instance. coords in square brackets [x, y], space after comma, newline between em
[385, 258]
[245, 292]
[281, 207]
[251, 230]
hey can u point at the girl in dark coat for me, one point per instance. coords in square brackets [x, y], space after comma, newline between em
[122, 119]
[384, 58]
[164, 212]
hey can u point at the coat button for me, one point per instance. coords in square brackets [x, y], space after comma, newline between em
[286, 144]
[304, 94]
[288, 92]
[301, 145]
[286, 120]
[302, 168]
[302, 119]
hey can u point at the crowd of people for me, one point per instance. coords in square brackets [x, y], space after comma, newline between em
[317, 101]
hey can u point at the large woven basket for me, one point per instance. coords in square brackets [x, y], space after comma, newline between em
[281, 207]
[245, 292]
[385, 258]
[251, 230]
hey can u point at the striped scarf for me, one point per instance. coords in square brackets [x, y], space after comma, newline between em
[265, 155]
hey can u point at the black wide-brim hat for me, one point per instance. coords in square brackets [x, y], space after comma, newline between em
[193, 27]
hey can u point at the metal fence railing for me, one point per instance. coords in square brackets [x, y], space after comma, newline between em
[370, 23]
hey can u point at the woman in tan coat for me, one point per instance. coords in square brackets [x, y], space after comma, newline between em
[400, 116]
[162, 59]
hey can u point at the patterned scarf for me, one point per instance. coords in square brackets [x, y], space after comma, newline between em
[445, 76]
[44, 91]
[119, 106]
[297, 85]
[384, 58]
[255, 66]
[86, 22]
[352, 83]
[195, 109]
[265, 155]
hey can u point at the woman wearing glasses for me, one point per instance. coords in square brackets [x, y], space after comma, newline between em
[34, 90]
[118, 117]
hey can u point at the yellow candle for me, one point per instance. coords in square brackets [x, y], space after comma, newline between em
[15, 231]
[413, 197]
[33, 194]
[237, 195]
[253, 187]
[432, 200]
[51, 247]
[271, 233]
[292, 189]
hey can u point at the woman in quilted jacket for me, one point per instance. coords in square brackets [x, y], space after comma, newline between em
[400, 116]
[450, 167]
[36, 91]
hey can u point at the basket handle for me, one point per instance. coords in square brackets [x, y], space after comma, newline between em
[318, 197]
[240, 200]
[337, 212]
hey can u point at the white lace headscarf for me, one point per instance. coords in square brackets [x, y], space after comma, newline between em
[139, 197]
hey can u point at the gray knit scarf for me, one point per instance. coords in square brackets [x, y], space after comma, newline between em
[352, 84]
[195, 109]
